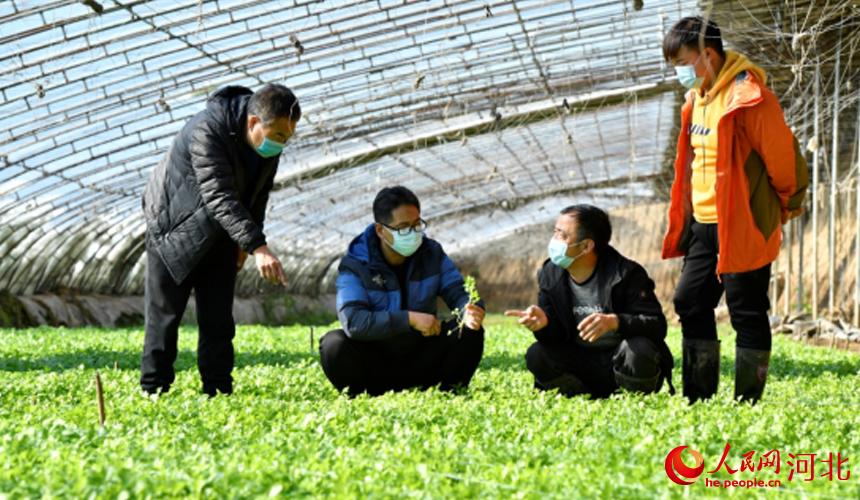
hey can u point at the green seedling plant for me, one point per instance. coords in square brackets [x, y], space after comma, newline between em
[471, 288]
[286, 432]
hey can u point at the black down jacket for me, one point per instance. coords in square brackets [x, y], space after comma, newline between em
[192, 198]
[624, 288]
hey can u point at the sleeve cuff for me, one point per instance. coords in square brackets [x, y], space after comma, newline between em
[255, 244]
[400, 322]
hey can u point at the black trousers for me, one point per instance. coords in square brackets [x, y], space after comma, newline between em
[699, 291]
[213, 282]
[407, 361]
[634, 364]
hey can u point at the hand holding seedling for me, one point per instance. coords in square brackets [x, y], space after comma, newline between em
[269, 266]
[425, 323]
[534, 318]
[597, 325]
[473, 317]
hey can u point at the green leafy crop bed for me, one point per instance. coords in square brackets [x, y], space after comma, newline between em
[287, 432]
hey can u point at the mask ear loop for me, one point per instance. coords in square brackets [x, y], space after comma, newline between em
[291, 115]
[293, 110]
[580, 254]
[391, 231]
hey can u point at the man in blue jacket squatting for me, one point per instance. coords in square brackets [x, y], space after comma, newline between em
[387, 288]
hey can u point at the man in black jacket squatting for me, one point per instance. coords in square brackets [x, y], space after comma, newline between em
[599, 327]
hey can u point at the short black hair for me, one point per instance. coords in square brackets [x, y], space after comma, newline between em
[273, 101]
[686, 33]
[592, 223]
[388, 199]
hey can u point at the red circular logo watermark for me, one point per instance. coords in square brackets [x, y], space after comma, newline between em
[681, 473]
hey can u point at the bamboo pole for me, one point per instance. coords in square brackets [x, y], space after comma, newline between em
[857, 225]
[801, 226]
[834, 171]
[857, 246]
[799, 221]
[787, 240]
[774, 288]
[815, 156]
[786, 310]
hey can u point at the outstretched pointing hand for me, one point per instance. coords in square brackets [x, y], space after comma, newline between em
[534, 318]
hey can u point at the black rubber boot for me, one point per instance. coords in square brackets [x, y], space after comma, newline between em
[751, 367]
[212, 390]
[567, 384]
[701, 368]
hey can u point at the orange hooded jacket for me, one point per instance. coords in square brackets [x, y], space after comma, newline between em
[761, 173]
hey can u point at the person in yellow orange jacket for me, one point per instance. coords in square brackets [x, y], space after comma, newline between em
[739, 175]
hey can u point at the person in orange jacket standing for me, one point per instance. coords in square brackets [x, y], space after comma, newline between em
[739, 175]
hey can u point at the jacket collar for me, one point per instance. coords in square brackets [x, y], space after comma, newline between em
[745, 91]
[555, 281]
[231, 104]
[610, 272]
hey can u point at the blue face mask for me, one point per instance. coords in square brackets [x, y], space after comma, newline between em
[557, 250]
[406, 245]
[270, 148]
[687, 75]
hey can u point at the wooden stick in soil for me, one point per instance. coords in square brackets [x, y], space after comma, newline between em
[100, 398]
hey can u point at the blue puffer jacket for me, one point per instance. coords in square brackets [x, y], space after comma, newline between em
[368, 293]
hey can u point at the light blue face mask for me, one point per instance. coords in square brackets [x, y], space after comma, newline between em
[687, 75]
[270, 148]
[406, 245]
[557, 250]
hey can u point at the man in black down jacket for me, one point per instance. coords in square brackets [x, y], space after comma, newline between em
[204, 206]
[598, 323]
